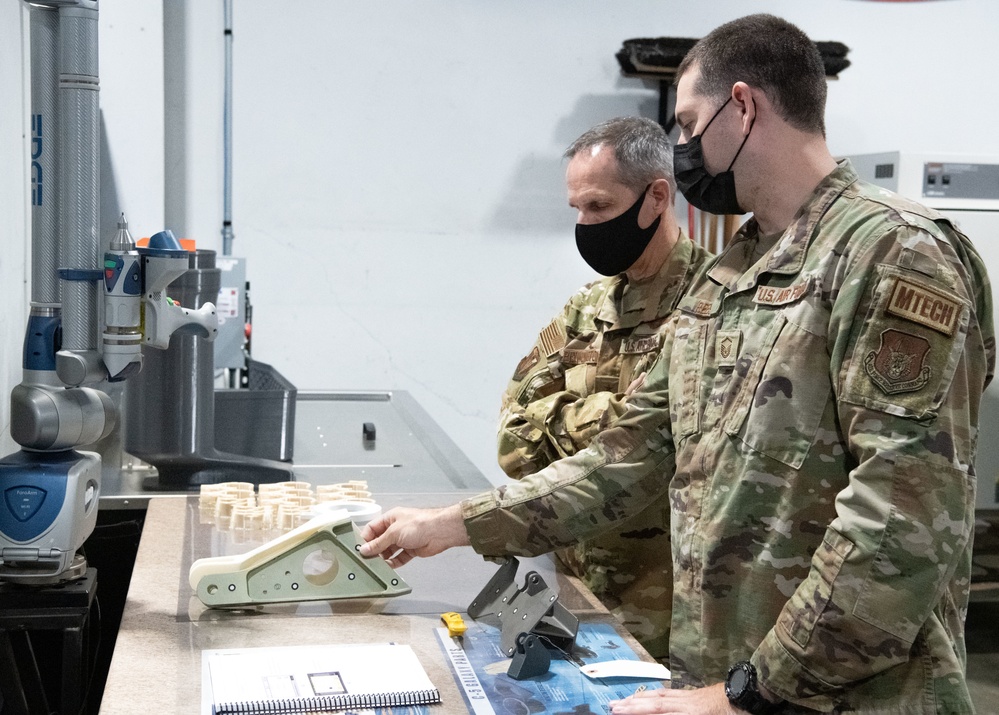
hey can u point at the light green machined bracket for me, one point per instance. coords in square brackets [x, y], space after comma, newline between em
[317, 561]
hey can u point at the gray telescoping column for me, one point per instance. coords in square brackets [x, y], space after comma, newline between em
[79, 361]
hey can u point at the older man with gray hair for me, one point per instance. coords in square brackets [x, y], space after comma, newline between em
[573, 380]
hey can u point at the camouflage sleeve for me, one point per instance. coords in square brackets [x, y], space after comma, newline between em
[909, 362]
[559, 425]
[540, 420]
[576, 498]
[523, 445]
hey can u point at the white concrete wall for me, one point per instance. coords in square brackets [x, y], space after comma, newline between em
[397, 174]
[131, 67]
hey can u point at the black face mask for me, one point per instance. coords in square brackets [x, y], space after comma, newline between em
[714, 194]
[613, 246]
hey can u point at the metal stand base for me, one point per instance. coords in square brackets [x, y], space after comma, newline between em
[26, 681]
[215, 467]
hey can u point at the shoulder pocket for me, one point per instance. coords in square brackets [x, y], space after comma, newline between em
[909, 345]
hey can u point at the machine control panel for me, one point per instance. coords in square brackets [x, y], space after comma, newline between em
[960, 180]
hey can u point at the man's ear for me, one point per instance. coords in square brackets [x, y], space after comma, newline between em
[744, 98]
[661, 194]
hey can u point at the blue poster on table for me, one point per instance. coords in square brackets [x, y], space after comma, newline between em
[480, 669]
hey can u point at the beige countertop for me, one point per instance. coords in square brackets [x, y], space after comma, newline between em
[157, 662]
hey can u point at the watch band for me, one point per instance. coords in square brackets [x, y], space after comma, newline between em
[742, 690]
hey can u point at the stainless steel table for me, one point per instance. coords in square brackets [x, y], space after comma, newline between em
[410, 454]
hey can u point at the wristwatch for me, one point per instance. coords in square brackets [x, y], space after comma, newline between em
[743, 692]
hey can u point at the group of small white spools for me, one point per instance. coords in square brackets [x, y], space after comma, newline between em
[280, 507]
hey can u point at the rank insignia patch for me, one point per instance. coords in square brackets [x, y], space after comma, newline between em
[529, 361]
[727, 347]
[897, 366]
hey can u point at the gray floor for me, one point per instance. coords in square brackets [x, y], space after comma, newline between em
[982, 634]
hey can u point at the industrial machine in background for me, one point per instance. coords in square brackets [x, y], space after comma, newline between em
[253, 435]
[965, 188]
[117, 358]
[96, 303]
[170, 406]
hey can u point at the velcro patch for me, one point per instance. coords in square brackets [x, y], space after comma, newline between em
[639, 344]
[580, 357]
[551, 338]
[529, 361]
[727, 347]
[898, 365]
[702, 308]
[919, 304]
[772, 295]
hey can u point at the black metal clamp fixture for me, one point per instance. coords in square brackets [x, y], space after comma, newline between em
[530, 618]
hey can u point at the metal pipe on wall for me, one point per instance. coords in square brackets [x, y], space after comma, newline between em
[227, 234]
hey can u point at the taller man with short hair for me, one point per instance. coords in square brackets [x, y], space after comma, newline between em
[573, 381]
[814, 419]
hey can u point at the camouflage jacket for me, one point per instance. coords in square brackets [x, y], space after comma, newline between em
[814, 420]
[570, 384]
[568, 387]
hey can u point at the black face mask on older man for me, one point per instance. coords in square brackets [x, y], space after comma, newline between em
[714, 194]
[613, 246]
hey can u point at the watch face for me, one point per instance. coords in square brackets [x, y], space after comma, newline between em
[737, 681]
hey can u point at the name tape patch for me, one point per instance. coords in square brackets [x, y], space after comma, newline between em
[580, 357]
[919, 304]
[772, 295]
[702, 308]
[636, 345]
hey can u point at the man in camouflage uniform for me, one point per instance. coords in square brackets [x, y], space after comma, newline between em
[814, 419]
[573, 381]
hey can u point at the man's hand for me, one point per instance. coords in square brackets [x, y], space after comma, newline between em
[402, 533]
[635, 385]
[704, 701]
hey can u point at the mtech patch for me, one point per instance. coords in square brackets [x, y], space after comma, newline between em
[922, 305]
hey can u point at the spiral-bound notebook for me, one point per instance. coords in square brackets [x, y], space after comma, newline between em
[314, 679]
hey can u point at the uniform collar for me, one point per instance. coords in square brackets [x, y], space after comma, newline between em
[733, 268]
[662, 290]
